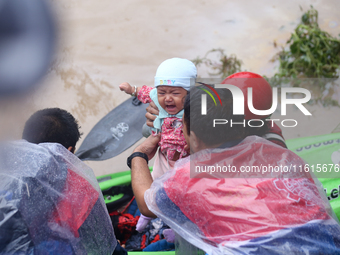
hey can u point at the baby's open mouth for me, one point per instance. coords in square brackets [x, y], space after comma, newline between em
[170, 107]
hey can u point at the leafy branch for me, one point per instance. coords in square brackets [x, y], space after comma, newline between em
[225, 65]
[309, 52]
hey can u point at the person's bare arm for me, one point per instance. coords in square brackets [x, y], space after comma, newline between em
[141, 179]
[151, 111]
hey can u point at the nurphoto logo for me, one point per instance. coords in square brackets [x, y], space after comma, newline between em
[239, 103]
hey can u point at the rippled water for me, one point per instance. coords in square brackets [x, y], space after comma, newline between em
[102, 44]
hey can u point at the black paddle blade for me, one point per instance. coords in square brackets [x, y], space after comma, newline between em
[115, 133]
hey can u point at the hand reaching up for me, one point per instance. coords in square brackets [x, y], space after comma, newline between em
[126, 87]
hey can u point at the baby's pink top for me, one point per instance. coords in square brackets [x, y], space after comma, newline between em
[172, 138]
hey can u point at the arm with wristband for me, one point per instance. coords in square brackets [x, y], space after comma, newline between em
[141, 179]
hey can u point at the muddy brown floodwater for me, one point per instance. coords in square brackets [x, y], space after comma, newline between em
[103, 43]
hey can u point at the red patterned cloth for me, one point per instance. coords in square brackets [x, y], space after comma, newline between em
[143, 94]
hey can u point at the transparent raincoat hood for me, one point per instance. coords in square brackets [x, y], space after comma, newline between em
[232, 213]
[50, 203]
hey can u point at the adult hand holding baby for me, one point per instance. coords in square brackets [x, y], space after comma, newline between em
[151, 114]
[149, 146]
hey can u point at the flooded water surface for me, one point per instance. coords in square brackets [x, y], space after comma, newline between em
[104, 43]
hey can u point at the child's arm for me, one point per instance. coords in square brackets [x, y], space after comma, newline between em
[142, 93]
[128, 89]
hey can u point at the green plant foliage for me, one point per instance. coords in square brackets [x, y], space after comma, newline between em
[310, 52]
[223, 67]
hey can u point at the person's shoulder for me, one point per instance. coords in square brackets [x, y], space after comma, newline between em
[180, 173]
[258, 141]
[271, 151]
[21, 151]
[55, 148]
[274, 135]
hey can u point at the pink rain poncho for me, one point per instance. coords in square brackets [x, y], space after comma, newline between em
[233, 211]
[50, 203]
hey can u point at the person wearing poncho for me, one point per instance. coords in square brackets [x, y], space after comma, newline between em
[50, 201]
[226, 212]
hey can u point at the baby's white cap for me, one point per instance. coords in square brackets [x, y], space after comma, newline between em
[176, 72]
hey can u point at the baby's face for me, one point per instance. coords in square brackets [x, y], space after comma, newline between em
[171, 98]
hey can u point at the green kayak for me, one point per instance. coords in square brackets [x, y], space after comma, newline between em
[322, 153]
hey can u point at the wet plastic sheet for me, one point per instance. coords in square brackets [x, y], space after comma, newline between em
[229, 214]
[50, 203]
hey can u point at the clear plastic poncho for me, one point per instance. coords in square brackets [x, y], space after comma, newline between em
[226, 212]
[50, 203]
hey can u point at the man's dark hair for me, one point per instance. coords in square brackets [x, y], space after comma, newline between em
[52, 125]
[259, 131]
[202, 125]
